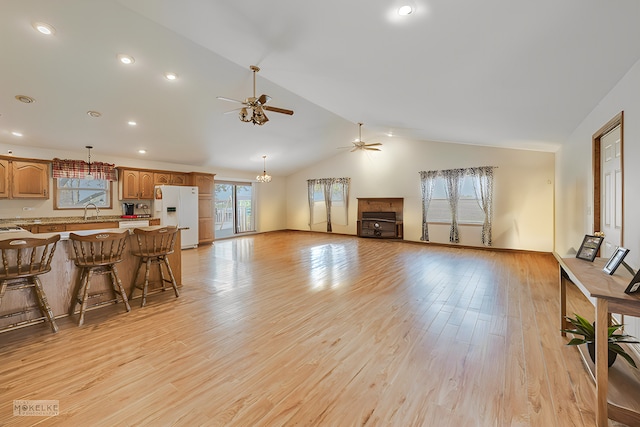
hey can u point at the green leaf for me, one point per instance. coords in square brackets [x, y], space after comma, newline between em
[619, 350]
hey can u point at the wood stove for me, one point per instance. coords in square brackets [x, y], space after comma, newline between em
[380, 217]
[378, 224]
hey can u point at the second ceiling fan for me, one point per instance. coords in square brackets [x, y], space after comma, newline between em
[253, 107]
[359, 144]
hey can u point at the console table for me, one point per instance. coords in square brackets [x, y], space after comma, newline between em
[618, 387]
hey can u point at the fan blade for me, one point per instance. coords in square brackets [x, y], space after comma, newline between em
[229, 99]
[372, 144]
[263, 99]
[232, 111]
[278, 110]
[372, 149]
[355, 149]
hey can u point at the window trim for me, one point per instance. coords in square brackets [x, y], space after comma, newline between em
[55, 198]
[460, 221]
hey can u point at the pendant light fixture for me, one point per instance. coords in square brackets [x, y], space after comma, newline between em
[88, 175]
[264, 177]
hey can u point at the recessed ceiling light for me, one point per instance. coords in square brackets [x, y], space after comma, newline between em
[132, 123]
[405, 10]
[26, 99]
[44, 28]
[171, 76]
[92, 113]
[126, 59]
[142, 151]
[15, 133]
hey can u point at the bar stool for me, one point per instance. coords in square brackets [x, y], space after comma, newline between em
[97, 254]
[23, 260]
[153, 248]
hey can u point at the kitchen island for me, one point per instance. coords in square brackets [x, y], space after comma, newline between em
[60, 283]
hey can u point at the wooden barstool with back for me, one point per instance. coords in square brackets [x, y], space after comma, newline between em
[97, 254]
[23, 260]
[153, 248]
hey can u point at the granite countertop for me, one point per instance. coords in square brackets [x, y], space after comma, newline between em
[67, 220]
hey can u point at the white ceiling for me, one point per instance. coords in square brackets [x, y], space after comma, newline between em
[503, 73]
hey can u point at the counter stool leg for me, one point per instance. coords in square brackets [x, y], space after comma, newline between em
[75, 300]
[134, 284]
[163, 281]
[3, 289]
[173, 279]
[44, 304]
[85, 296]
[117, 287]
[146, 283]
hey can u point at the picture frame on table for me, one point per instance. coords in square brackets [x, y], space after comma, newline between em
[615, 260]
[634, 285]
[589, 247]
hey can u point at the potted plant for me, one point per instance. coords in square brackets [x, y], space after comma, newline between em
[582, 327]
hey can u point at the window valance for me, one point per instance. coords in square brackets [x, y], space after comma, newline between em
[80, 169]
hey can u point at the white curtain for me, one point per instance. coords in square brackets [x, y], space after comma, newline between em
[483, 186]
[452, 187]
[343, 189]
[427, 182]
[311, 183]
[327, 185]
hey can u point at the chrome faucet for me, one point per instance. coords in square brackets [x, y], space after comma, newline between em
[85, 210]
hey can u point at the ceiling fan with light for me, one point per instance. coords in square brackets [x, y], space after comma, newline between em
[359, 144]
[254, 107]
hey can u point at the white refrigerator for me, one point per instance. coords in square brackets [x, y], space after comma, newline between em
[178, 205]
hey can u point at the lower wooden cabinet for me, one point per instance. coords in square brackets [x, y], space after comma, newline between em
[49, 228]
[77, 226]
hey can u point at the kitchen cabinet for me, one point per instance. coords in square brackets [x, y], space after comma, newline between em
[4, 178]
[49, 228]
[24, 179]
[170, 178]
[91, 225]
[53, 227]
[206, 212]
[136, 184]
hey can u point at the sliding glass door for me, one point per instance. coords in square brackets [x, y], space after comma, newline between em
[234, 208]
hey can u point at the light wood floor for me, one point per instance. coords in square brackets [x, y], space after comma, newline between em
[312, 329]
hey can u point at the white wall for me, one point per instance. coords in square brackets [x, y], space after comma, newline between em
[574, 171]
[523, 189]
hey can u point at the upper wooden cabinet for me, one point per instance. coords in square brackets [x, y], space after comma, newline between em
[170, 178]
[4, 178]
[204, 182]
[136, 184]
[22, 179]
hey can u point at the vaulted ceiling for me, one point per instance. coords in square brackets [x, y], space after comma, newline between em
[499, 73]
